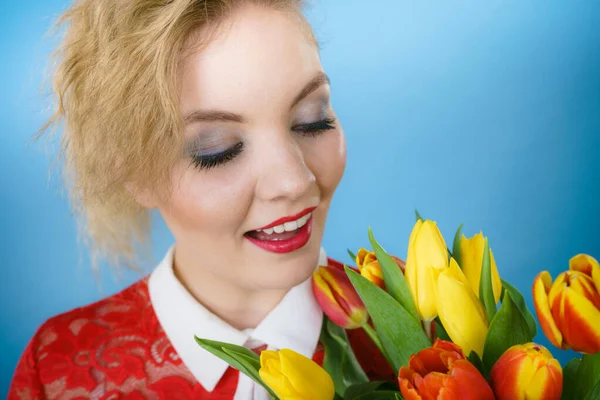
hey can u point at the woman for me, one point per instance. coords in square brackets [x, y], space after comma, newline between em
[216, 113]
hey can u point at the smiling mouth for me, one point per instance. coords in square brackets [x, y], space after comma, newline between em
[285, 237]
[284, 231]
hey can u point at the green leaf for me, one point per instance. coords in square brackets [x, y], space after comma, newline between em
[418, 216]
[378, 395]
[506, 329]
[520, 302]
[440, 331]
[395, 283]
[240, 358]
[352, 256]
[340, 362]
[456, 246]
[570, 379]
[588, 375]
[400, 334]
[356, 391]
[594, 393]
[476, 361]
[486, 291]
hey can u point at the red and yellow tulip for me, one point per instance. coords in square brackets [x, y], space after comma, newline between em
[427, 252]
[441, 372]
[527, 372]
[292, 376]
[569, 309]
[369, 267]
[338, 298]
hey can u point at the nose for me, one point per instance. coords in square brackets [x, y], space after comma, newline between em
[284, 174]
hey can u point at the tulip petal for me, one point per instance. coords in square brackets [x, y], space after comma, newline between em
[541, 287]
[406, 387]
[305, 376]
[584, 285]
[360, 257]
[372, 272]
[465, 382]
[270, 373]
[428, 360]
[581, 327]
[584, 263]
[328, 301]
[506, 374]
[471, 253]
[415, 232]
[432, 385]
[338, 298]
[460, 311]
[546, 383]
[596, 278]
[428, 251]
[526, 372]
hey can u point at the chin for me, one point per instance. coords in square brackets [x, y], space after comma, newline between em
[285, 274]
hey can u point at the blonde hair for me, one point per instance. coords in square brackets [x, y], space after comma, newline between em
[116, 94]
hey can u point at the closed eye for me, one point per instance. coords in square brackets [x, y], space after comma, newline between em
[208, 161]
[315, 128]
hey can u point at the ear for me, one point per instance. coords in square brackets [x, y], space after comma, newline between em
[143, 196]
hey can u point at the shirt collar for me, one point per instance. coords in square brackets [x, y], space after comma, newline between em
[294, 323]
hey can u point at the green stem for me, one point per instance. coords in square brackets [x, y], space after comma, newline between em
[373, 335]
[427, 325]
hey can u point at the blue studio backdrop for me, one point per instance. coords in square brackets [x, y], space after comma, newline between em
[482, 113]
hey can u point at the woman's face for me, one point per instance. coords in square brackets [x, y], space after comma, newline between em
[264, 154]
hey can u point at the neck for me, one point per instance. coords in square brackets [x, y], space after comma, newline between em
[239, 306]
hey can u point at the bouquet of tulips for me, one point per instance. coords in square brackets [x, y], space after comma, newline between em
[446, 324]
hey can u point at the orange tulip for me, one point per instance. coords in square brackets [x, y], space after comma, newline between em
[368, 266]
[527, 372]
[569, 308]
[338, 298]
[441, 372]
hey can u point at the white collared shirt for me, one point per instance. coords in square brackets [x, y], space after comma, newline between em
[295, 323]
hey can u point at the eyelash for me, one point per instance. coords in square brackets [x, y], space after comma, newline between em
[213, 160]
[206, 162]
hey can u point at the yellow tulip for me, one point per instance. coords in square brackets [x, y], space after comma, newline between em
[427, 251]
[291, 376]
[471, 258]
[460, 311]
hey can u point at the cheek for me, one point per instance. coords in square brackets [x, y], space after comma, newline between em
[328, 160]
[210, 202]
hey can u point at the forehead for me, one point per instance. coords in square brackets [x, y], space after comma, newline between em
[256, 58]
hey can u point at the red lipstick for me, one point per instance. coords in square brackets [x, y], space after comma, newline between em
[286, 242]
[283, 220]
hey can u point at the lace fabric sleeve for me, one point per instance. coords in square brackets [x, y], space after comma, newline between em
[26, 383]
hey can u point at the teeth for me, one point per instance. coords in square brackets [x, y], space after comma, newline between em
[288, 226]
[302, 221]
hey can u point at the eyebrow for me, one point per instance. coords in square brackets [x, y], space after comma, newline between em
[212, 116]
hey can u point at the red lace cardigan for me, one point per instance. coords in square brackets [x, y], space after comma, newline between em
[116, 349]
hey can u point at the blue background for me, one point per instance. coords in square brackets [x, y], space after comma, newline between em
[486, 113]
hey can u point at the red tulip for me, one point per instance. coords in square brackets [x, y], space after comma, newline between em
[338, 298]
[527, 372]
[441, 372]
